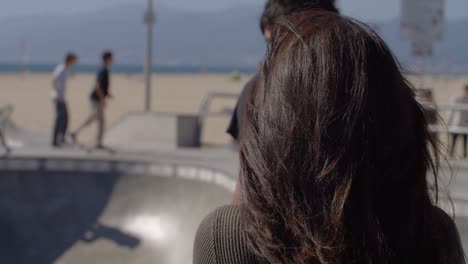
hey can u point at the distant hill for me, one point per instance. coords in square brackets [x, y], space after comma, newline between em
[230, 37]
[224, 38]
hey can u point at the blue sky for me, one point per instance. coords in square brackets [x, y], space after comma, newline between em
[363, 9]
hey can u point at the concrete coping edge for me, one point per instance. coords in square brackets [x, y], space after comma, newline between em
[168, 169]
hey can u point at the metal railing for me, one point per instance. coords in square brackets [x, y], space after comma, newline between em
[446, 107]
[446, 127]
[207, 101]
[205, 107]
[5, 114]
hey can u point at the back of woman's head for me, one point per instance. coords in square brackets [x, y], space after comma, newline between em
[275, 9]
[335, 153]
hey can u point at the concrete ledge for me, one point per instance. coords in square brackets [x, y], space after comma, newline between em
[167, 170]
[152, 131]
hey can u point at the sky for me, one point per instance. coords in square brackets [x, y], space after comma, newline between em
[370, 10]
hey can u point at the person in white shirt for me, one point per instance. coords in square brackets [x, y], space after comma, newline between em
[459, 119]
[59, 84]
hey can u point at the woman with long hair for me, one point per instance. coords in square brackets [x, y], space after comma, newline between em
[335, 158]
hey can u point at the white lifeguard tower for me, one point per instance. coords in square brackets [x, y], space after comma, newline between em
[422, 24]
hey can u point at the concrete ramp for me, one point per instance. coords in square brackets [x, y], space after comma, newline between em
[73, 212]
[154, 131]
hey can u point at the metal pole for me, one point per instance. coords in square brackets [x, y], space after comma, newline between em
[150, 20]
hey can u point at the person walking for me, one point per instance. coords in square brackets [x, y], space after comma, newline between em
[98, 100]
[59, 83]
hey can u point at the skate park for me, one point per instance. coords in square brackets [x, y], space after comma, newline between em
[138, 204]
[168, 164]
[130, 206]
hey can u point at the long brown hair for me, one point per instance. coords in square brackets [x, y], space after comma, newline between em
[335, 152]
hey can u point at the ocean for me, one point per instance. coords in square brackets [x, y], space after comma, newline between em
[128, 69]
[135, 69]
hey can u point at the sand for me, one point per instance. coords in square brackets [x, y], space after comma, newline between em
[180, 93]
[445, 87]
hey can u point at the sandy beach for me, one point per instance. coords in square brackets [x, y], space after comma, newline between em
[180, 93]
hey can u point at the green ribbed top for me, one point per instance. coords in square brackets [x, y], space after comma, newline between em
[219, 239]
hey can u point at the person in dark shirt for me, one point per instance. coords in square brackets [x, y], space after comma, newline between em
[274, 10]
[235, 125]
[98, 100]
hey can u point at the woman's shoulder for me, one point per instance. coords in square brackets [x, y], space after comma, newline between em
[446, 223]
[450, 237]
[220, 239]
